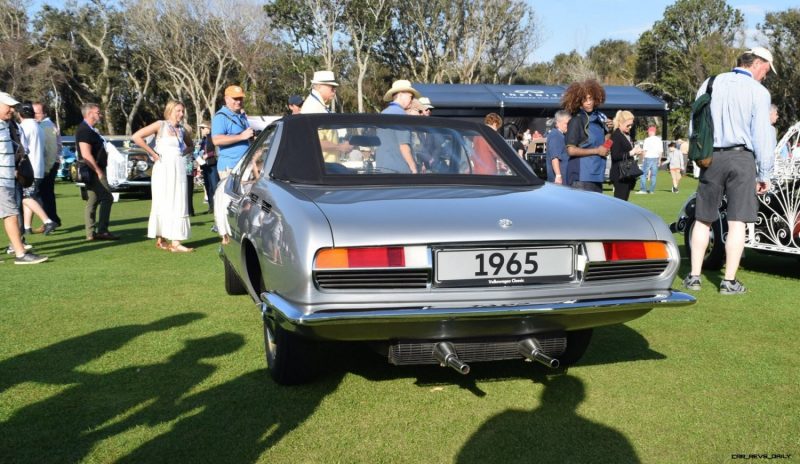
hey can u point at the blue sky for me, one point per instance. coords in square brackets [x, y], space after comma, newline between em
[579, 24]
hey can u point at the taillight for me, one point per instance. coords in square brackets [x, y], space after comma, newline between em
[371, 257]
[626, 251]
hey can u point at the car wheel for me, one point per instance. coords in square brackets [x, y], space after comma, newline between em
[289, 357]
[233, 284]
[715, 253]
[577, 343]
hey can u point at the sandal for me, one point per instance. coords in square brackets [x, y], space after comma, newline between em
[162, 245]
[180, 249]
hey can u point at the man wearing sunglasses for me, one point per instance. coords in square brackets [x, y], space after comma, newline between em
[230, 131]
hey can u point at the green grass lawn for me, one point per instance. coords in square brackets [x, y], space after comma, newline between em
[119, 352]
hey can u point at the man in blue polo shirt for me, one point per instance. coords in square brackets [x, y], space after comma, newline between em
[230, 131]
[231, 134]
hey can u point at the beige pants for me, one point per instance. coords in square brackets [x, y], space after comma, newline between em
[221, 202]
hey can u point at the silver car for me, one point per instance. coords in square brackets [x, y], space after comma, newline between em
[472, 258]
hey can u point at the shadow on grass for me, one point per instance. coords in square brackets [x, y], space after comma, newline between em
[553, 432]
[57, 363]
[771, 264]
[107, 416]
[68, 425]
[66, 246]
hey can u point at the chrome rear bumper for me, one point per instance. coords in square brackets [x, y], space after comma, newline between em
[442, 323]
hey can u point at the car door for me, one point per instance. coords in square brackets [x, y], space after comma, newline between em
[244, 207]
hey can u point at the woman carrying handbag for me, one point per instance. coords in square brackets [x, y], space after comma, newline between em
[623, 156]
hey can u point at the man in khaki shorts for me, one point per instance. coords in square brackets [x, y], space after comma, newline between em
[741, 166]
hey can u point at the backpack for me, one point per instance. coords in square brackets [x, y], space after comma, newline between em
[701, 140]
[23, 166]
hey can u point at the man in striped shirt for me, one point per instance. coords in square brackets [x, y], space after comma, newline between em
[9, 209]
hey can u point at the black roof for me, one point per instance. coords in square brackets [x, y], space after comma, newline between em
[530, 100]
[300, 156]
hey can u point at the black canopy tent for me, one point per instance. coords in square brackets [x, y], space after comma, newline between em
[529, 106]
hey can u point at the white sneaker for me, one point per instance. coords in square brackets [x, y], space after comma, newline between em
[10, 249]
[641, 192]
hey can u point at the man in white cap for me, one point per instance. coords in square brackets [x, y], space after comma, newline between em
[426, 106]
[394, 154]
[323, 91]
[9, 209]
[741, 166]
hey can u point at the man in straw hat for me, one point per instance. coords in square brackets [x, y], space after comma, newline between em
[323, 91]
[394, 154]
[741, 165]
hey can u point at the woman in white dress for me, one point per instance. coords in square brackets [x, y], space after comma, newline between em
[169, 215]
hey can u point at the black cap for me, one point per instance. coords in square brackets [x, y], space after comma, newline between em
[296, 100]
[25, 110]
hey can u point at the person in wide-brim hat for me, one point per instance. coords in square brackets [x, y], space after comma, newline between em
[324, 77]
[398, 86]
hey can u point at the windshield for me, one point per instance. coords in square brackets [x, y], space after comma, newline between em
[373, 150]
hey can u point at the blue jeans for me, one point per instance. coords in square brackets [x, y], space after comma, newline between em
[210, 181]
[650, 166]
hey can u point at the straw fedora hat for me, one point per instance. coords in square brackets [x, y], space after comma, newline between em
[400, 86]
[324, 77]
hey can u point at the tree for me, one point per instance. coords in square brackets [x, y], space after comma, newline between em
[313, 25]
[461, 41]
[614, 61]
[190, 47]
[782, 30]
[366, 22]
[84, 43]
[24, 67]
[571, 67]
[695, 39]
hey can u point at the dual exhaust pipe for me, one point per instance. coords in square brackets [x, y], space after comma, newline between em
[445, 353]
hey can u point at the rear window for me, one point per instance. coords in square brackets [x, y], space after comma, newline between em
[376, 150]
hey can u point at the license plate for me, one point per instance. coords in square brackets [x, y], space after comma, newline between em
[505, 266]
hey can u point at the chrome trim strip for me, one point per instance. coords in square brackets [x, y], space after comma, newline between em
[273, 305]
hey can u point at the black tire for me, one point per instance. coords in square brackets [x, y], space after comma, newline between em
[577, 343]
[233, 284]
[290, 358]
[715, 254]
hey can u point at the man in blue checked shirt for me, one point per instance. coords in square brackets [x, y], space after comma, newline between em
[742, 162]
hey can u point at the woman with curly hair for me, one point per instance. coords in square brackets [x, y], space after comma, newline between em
[586, 135]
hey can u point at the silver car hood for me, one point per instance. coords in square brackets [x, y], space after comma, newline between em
[395, 216]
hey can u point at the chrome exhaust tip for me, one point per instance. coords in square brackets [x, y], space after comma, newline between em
[445, 353]
[532, 351]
